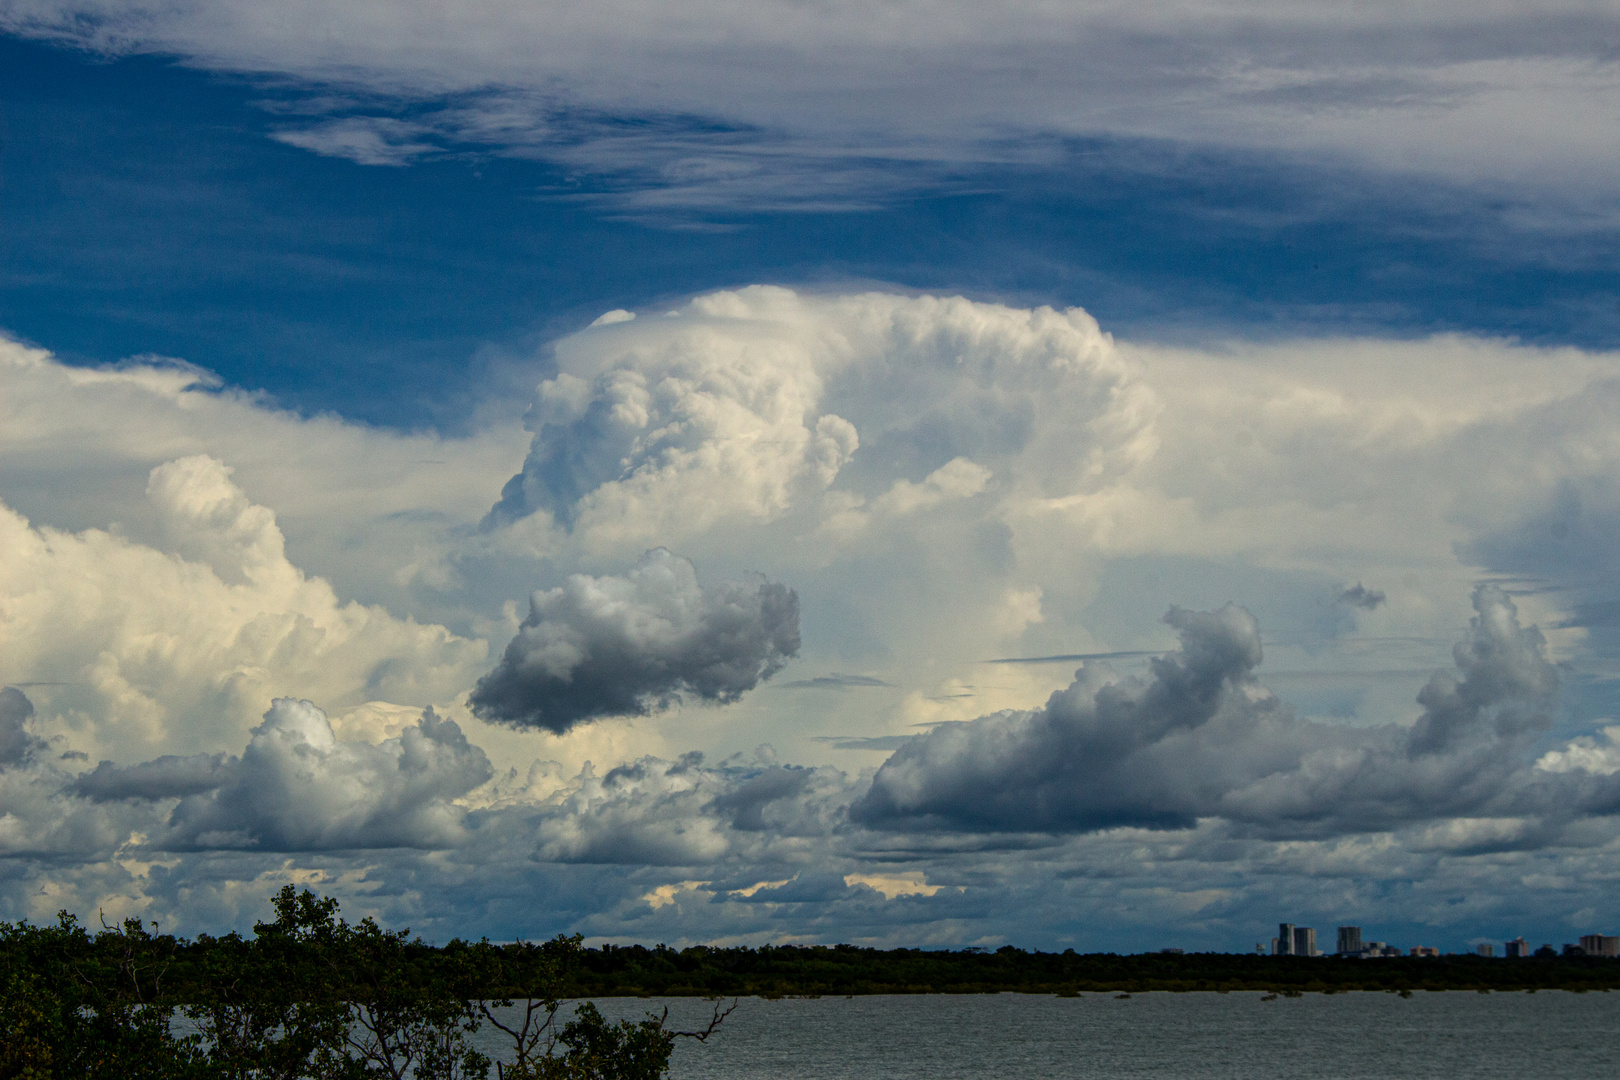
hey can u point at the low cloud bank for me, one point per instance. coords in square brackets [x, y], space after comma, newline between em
[1201, 738]
[634, 645]
[1195, 768]
[297, 788]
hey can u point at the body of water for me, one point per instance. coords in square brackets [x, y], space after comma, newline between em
[1197, 1036]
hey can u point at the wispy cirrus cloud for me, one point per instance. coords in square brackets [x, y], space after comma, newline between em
[827, 105]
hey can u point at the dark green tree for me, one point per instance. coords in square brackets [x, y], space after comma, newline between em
[93, 1008]
[266, 1009]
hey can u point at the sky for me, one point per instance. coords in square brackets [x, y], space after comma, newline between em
[1097, 476]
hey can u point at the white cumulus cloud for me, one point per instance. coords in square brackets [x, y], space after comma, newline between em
[148, 648]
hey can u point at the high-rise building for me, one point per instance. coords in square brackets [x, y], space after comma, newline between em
[1349, 941]
[1304, 941]
[1600, 945]
[1285, 939]
[1485, 949]
[1518, 948]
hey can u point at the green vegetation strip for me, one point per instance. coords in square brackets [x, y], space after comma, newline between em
[846, 970]
[311, 995]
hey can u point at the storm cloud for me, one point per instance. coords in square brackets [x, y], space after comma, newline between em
[634, 645]
[167, 777]
[1203, 738]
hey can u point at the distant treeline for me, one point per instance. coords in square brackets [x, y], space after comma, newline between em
[845, 969]
[311, 995]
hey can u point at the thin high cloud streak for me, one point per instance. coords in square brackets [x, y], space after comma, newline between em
[829, 104]
[635, 645]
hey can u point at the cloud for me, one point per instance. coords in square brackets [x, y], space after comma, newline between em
[297, 788]
[1586, 753]
[835, 681]
[750, 849]
[635, 645]
[167, 777]
[744, 409]
[1202, 738]
[1507, 688]
[684, 813]
[183, 643]
[873, 742]
[363, 508]
[1069, 658]
[1359, 596]
[818, 104]
[1020, 486]
[17, 744]
[367, 140]
[1092, 757]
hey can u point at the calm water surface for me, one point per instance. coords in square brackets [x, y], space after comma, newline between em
[1376, 1036]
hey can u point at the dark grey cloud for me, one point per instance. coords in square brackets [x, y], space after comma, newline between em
[1507, 686]
[1201, 738]
[167, 777]
[1358, 595]
[17, 744]
[1086, 760]
[634, 645]
[745, 803]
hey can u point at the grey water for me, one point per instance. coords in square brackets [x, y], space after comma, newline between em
[1194, 1036]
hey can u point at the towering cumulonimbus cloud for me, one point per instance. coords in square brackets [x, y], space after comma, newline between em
[746, 406]
[630, 646]
[1201, 738]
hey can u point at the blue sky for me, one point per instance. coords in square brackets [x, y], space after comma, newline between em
[149, 213]
[629, 387]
